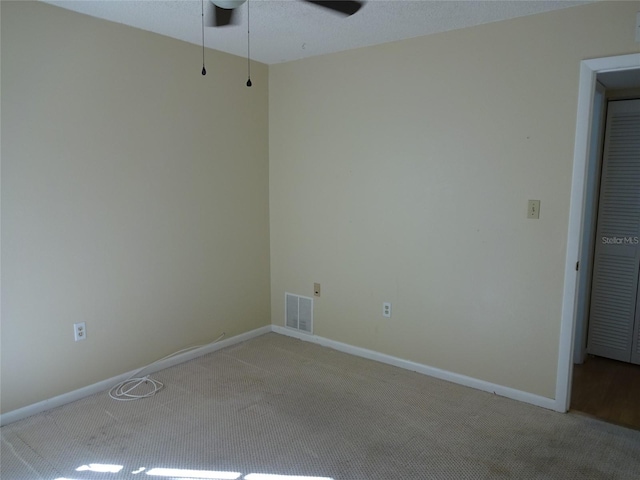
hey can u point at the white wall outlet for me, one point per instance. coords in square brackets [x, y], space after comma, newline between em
[533, 209]
[316, 289]
[386, 309]
[79, 331]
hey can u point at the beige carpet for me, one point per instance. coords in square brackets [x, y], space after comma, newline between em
[279, 406]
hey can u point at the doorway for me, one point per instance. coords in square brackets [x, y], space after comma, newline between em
[597, 386]
[605, 383]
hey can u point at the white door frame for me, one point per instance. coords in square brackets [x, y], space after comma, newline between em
[588, 71]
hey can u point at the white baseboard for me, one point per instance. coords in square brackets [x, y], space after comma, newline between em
[501, 390]
[105, 385]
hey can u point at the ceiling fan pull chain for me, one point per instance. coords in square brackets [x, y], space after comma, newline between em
[204, 70]
[248, 48]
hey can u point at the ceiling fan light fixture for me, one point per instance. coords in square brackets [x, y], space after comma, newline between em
[228, 4]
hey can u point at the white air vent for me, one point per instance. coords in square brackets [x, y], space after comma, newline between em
[298, 312]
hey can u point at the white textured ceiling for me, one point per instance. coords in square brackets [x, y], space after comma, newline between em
[285, 30]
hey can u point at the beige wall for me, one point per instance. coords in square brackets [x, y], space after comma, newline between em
[134, 198]
[135, 194]
[402, 172]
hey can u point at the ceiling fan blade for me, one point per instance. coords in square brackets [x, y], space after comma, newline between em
[223, 17]
[345, 7]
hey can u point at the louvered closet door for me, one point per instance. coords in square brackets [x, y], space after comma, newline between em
[613, 325]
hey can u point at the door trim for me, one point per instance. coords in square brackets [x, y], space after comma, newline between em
[589, 222]
[588, 71]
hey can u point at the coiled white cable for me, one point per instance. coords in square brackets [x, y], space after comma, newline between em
[128, 389]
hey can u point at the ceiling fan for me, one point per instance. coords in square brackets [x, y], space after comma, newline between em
[222, 13]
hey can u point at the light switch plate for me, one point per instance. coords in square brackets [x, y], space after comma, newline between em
[533, 210]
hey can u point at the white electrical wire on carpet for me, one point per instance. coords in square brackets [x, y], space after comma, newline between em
[125, 391]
